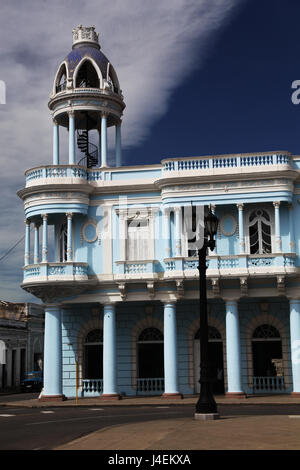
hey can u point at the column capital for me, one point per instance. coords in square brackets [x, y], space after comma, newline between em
[37, 225]
[240, 206]
[55, 122]
[27, 221]
[71, 113]
[44, 216]
[104, 114]
[276, 204]
[177, 209]
[69, 215]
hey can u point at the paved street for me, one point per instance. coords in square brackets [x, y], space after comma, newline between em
[146, 424]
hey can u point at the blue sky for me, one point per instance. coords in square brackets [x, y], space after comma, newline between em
[239, 98]
[199, 77]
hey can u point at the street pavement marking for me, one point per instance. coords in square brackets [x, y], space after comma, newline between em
[294, 416]
[96, 409]
[47, 412]
[6, 416]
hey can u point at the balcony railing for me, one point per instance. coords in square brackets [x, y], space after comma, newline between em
[67, 270]
[251, 263]
[226, 161]
[92, 387]
[136, 268]
[268, 384]
[150, 386]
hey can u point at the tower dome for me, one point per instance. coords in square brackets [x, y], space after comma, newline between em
[86, 96]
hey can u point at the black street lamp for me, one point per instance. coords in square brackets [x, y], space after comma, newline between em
[206, 407]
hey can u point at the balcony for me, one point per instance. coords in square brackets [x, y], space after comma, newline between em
[66, 271]
[222, 164]
[144, 269]
[233, 266]
[56, 174]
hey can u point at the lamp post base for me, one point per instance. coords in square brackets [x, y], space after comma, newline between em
[206, 416]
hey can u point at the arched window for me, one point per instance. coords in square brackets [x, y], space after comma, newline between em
[63, 243]
[93, 354]
[267, 351]
[61, 83]
[87, 76]
[259, 225]
[151, 353]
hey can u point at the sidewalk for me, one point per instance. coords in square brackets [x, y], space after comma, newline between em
[268, 432]
[154, 400]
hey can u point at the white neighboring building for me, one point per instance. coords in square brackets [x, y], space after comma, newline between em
[22, 333]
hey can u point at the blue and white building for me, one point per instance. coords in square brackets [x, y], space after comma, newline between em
[110, 255]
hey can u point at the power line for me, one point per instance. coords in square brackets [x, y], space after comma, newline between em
[13, 247]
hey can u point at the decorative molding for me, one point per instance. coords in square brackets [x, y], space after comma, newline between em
[150, 288]
[180, 289]
[215, 287]
[281, 284]
[244, 286]
[222, 222]
[122, 289]
[83, 236]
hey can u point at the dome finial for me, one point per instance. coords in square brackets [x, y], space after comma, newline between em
[85, 35]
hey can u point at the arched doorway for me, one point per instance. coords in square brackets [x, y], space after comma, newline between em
[215, 351]
[93, 355]
[150, 361]
[267, 359]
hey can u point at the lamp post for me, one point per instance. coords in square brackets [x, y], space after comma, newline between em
[206, 407]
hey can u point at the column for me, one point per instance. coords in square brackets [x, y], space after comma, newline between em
[18, 366]
[109, 354]
[233, 350]
[104, 139]
[99, 145]
[71, 137]
[8, 366]
[167, 232]
[291, 227]
[27, 243]
[241, 228]
[170, 352]
[69, 237]
[52, 355]
[55, 143]
[177, 211]
[118, 145]
[276, 205]
[36, 259]
[45, 239]
[295, 345]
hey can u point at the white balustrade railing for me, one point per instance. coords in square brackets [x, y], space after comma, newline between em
[268, 384]
[92, 386]
[150, 386]
[226, 161]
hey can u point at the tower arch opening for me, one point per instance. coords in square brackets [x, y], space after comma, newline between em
[87, 76]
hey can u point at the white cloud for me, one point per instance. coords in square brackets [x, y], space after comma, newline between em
[153, 46]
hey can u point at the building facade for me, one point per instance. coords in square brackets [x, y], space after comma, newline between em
[121, 289]
[22, 342]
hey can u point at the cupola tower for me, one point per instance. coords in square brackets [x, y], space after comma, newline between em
[86, 96]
